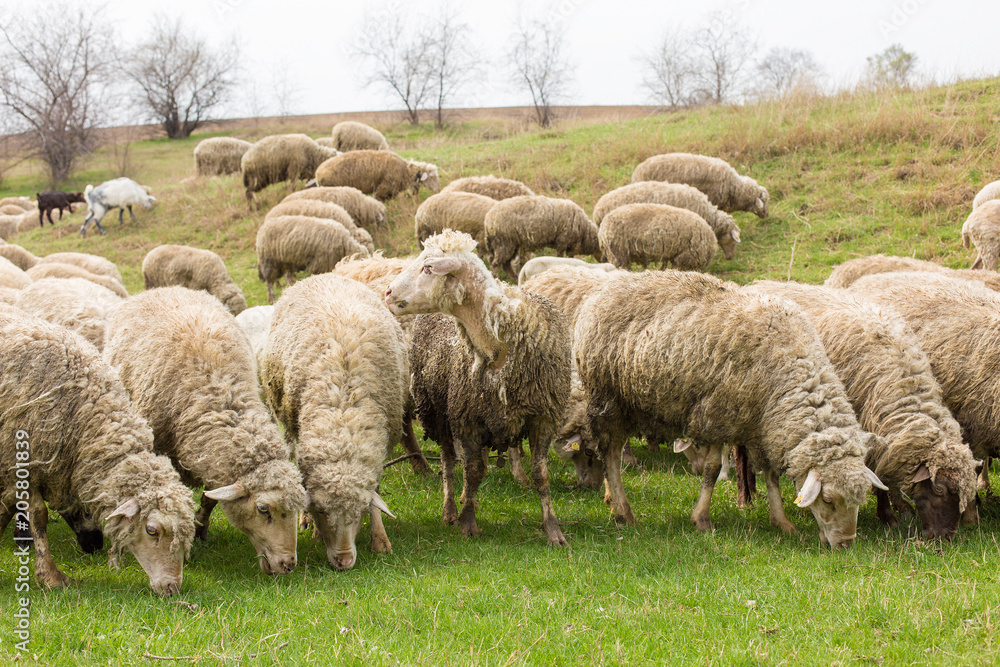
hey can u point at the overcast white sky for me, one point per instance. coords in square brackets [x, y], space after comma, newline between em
[304, 42]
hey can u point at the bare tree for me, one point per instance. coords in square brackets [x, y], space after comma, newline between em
[181, 79]
[396, 60]
[539, 64]
[451, 61]
[893, 67]
[669, 72]
[722, 51]
[783, 70]
[53, 68]
[285, 89]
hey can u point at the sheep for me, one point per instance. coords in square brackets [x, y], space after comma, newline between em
[10, 225]
[327, 142]
[957, 323]
[48, 201]
[517, 225]
[315, 208]
[9, 295]
[335, 373]
[24, 203]
[461, 211]
[12, 209]
[847, 273]
[256, 323]
[727, 233]
[195, 269]
[291, 243]
[349, 135]
[75, 303]
[189, 369]
[219, 155]
[29, 220]
[889, 382]
[724, 187]
[18, 256]
[983, 228]
[490, 186]
[281, 157]
[490, 364]
[382, 174]
[989, 192]
[538, 265]
[367, 212]
[650, 233]
[94, 263]
[92, 454]
[60, 270]
[666, 350]
[11, 276]
[120, 193]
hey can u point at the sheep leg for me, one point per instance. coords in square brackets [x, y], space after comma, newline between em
[713, 465]
[614, 488]
[449, 512]
[418, 462]
[978, 264]
[203, 517]
[899, 503]
[6, 514]
[540, 476]
[776, 510]
[516, 469]
[984, 477]
[46, 571]
[628, 457]
[270, 291]
[652, 446]
[89, 538]
[472, 476]
[883, 509]
[379, 540]
[131, 213]
[121, 212]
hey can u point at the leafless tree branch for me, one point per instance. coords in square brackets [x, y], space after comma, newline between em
[539, 64]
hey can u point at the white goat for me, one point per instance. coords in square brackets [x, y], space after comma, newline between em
[120, 193]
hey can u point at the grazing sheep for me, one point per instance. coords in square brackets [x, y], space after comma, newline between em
[10, 209]
[989, 192]
[382, 174]
[120, 193]
[538, 265]
[23, 203]
[889, 382]
[10, 225]
[92, 454]
[335, 374]
[716, 178]
[94, 263]
[327, 142]
[60, 270]
[847, 273]
[668, 350]
[281, 157]
[53, 199]
[490, 186]
[727, 233]
[367, 212]
[315, 208]
[491, 365]
[569, 286]
[958, 325]
[460, 211]
[75, 303]
[11, 276]
[189, 370]
[518, 225]
[256, 323]
[18, 256]
[650, 233]
[292, 243]
[983, 228]
[219, 155]
[195, 269]
[349, 135]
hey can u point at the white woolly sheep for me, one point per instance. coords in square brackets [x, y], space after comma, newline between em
[281, 157]
[11, 276]
[120, 193]
[490, 186]
[10, 225]
[715, 177]
[847, 273]
[460, 211]
[349, 135]
[490, 366]
[256, 323]
[989, 192]
[18, 256]
[650, 233]
[60, 270]
[335, 373]
[315, 208]
[92, 454]
[668, 350]
[11, 209]
[727, 233]
[75, 303]
[194, 268]
[9, 295]
[983, 228]
[517, 225]
[292, 243]
[367, 212]
[889, 382]
[24, 203]
[189, 370]
[538, 265]
[219, 155]
[93, 263]
[382, 174]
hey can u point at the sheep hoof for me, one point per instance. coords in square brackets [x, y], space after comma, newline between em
[703, 523]
[450, 515]
[520, 476]
[626, 519]
[52, 578]
[380, 544]
[785, 526]
[470, 530]
[558, 540]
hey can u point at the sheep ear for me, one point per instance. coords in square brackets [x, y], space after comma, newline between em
[735, 234]
[680, 444]
[379, 504]
[876, 482]
[922, 474]
[423, 176]
[978, 464]
[443, 265]
[759, 203]
[234, 491]
[573, 444]
[127, 509]
[810, 490]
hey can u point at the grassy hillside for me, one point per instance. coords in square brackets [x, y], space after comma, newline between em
[848, 176]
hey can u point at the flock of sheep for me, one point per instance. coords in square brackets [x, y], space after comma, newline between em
[881, 378]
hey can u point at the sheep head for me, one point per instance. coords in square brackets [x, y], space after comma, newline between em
[728, 243]
[761, 203]
[437, 280]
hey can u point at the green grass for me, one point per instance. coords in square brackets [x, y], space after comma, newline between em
[848, 176]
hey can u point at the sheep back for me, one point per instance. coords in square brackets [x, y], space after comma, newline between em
[281, 157]
[490, 186]
[315, 208]
[850, 271]
[60, 270]
[650, 233]
[715, 177]
[219, 155]
[461, 211]
[518, 225]
[350, 135]
[194, 268]
[74, 303]
[367, 212]
[18, 256]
